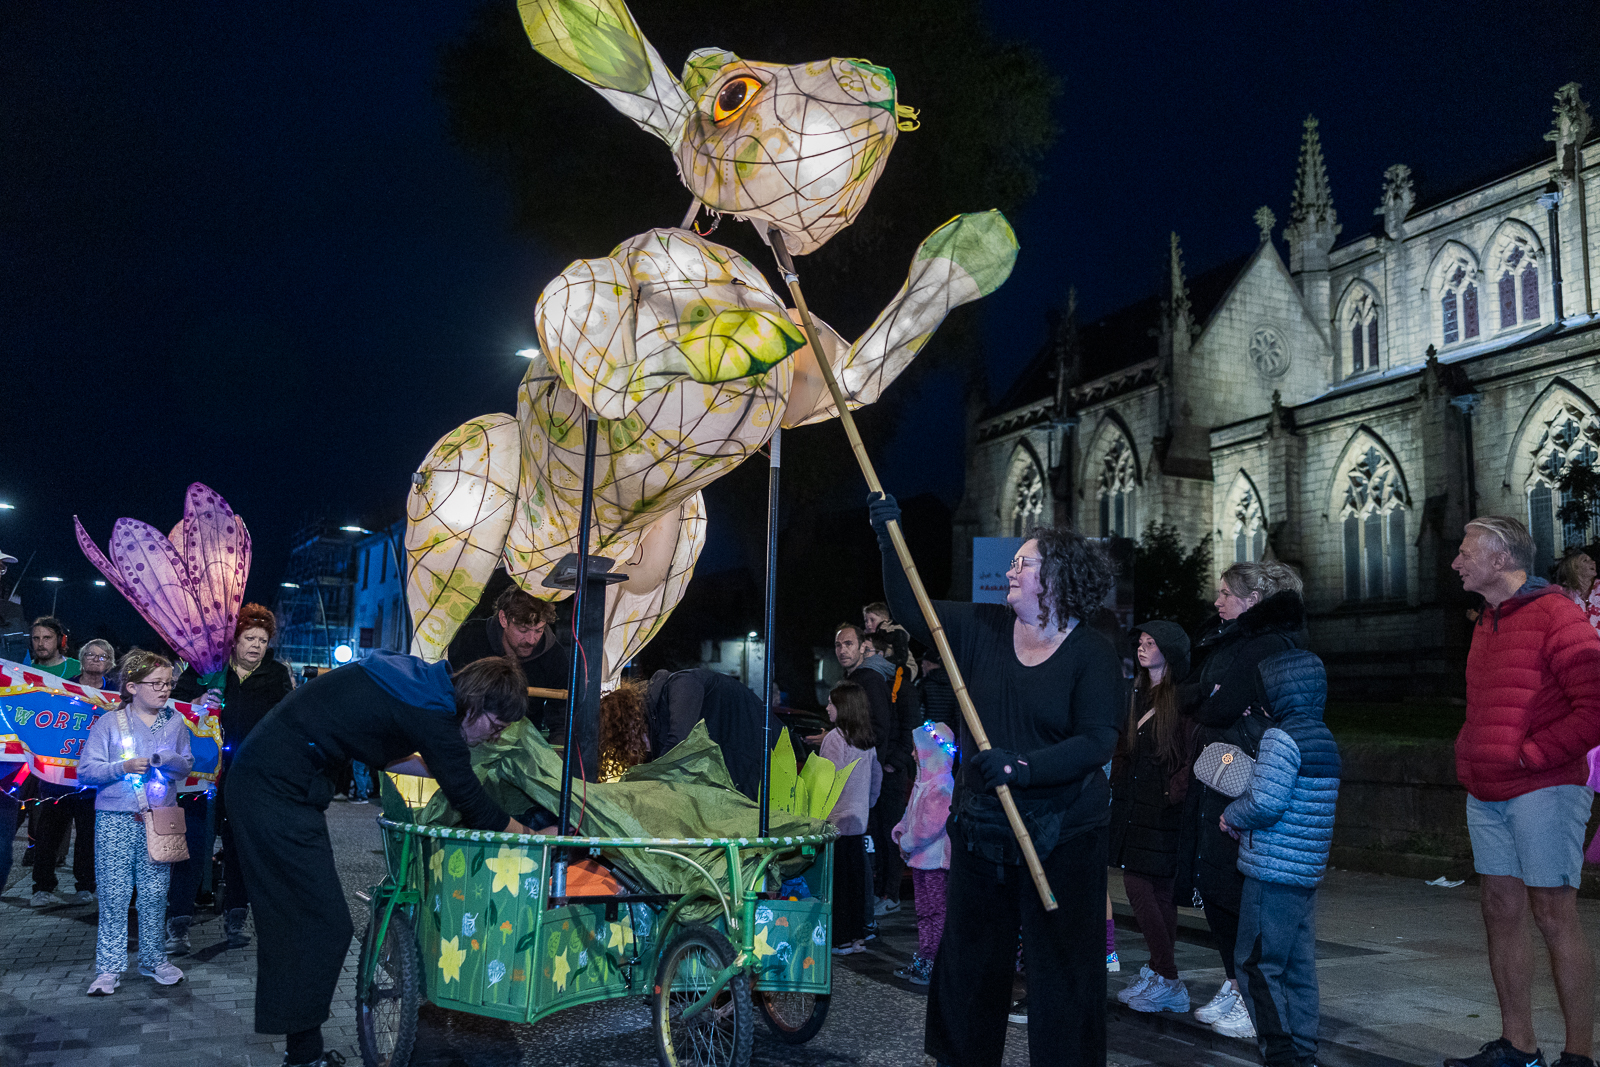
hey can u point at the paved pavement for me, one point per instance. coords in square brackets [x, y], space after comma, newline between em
[1403, 977]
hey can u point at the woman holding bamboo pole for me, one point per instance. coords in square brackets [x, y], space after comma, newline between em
[1049, 692]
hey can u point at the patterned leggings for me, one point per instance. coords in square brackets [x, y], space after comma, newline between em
[121, 862]
[929, 889]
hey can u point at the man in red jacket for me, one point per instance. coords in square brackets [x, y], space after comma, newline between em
[1533, 713]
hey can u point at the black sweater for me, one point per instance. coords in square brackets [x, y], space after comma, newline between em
[244, 704]
[345, 715]
[1062, 714]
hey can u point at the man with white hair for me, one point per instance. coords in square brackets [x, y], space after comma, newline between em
[1533, 713]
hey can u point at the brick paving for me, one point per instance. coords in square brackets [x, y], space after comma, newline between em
[207, 1020]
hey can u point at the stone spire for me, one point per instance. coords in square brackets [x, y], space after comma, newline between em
[1178, 319]
[1397, 200]
[1313, 226]
[1069, 354]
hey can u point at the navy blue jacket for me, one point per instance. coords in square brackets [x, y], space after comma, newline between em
[1286, 817]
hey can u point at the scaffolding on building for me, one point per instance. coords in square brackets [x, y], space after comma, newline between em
[316, 598]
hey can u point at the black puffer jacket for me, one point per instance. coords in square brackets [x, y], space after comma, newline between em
[1218, 696]
[1146, 804]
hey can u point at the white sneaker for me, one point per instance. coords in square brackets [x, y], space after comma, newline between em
[41, 899]
[104, 985]
[1135, 987]
[1236, 1023]
[1219, 1005]
[164, 974]
[1162, 994]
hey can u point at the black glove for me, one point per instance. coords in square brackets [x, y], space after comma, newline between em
[997, 767]
[882, 510]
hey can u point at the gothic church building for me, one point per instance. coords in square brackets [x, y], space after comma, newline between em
[1345, 412]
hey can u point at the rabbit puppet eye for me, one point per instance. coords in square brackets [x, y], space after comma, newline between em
[732, 97]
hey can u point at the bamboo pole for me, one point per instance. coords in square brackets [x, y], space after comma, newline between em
[968, 712]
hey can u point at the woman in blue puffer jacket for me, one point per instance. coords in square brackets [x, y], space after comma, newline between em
[1285, 826]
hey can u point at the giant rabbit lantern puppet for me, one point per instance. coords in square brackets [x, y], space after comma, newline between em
[676, 344]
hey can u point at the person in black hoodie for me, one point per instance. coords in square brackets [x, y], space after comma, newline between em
[1260, 613]
[1149, 780]
[255, 682]
[379, 711]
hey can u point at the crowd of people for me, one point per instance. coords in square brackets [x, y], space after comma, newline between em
[1197, 766]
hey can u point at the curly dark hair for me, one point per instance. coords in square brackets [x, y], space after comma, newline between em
[625, 725]
[1077, 575]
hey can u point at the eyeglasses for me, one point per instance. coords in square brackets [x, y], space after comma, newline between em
[154, 685]
[1022, 563]
[95, 658]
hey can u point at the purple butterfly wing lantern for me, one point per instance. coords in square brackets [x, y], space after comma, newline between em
[188, 585]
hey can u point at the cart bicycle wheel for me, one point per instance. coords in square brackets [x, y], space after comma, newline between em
[718, 1036]
[386, 1011]
[795, 1018]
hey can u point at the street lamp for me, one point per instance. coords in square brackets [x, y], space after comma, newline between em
[529, 353]
[54, 593]
[7, 507]
[354, 529]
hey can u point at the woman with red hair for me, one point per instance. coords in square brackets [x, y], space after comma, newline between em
[256, 681]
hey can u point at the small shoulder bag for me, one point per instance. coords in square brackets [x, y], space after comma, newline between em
[1225, 768]
[163, 827]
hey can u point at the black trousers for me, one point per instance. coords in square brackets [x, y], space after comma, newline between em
[888, 868]
[59, 810]
[276, 802]
[188, 877]
[985, 906]
[1224, 924]
[849, 885]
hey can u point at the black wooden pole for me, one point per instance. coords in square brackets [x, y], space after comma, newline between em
[768, 668]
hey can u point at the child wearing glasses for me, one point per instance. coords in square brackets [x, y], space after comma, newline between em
[135, 757]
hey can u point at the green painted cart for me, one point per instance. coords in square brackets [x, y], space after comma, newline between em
[472, 921]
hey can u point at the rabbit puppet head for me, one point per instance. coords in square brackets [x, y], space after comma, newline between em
[795, 147]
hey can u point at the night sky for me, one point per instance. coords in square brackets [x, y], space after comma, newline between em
[238, 247]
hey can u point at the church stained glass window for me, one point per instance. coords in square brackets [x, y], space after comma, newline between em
[1027, 509]
[1514, 261]
[1362, 320]
[1374, 528]
[1117, 482]
[1566, 436]
[1469, 311]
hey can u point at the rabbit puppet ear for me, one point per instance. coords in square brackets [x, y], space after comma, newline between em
[598, 42]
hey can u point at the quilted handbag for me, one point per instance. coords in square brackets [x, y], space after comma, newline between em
[1225, 768]
[163, 827]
